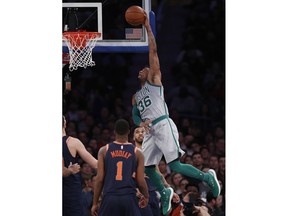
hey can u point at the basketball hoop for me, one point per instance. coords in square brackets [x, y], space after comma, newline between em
[80, 45]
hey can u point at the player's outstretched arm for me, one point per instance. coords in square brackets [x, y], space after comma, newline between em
[154, 75]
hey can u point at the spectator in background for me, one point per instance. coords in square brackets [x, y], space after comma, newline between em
[205, 154]
[220, 203]
[213, 162]
[182, 186]
[175, 180]
[86, 171]
[87, 195]
[188, 159]
[214, 204]
[193, 206]
[197, 160]
[193, 189]
[164, 168]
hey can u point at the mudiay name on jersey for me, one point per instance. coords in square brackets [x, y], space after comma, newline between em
[142, 93]
[120, 153]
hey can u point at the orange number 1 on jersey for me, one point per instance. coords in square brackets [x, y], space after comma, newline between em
[119, 171]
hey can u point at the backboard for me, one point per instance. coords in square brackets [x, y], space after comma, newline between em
[108, 18]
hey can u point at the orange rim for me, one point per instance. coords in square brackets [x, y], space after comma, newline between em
[76, 38]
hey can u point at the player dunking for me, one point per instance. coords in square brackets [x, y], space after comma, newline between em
[150, 111]
[117, 162]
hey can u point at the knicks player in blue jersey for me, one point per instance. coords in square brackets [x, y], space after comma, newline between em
[72, 150]
[150, 111]
[117, 163]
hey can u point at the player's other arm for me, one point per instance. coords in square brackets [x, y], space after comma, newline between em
[137, 117]
[135, 112]
[84, 154]
[142, 185]
[154, 75]
[99, 181]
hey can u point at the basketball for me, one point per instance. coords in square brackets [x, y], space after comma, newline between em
[134, 15]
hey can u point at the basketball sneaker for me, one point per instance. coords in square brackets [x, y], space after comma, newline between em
[166, 197]
[213, 182]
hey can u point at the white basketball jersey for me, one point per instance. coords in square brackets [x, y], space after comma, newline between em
[150, 101]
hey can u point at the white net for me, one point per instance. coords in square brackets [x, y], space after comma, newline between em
[80, 45]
